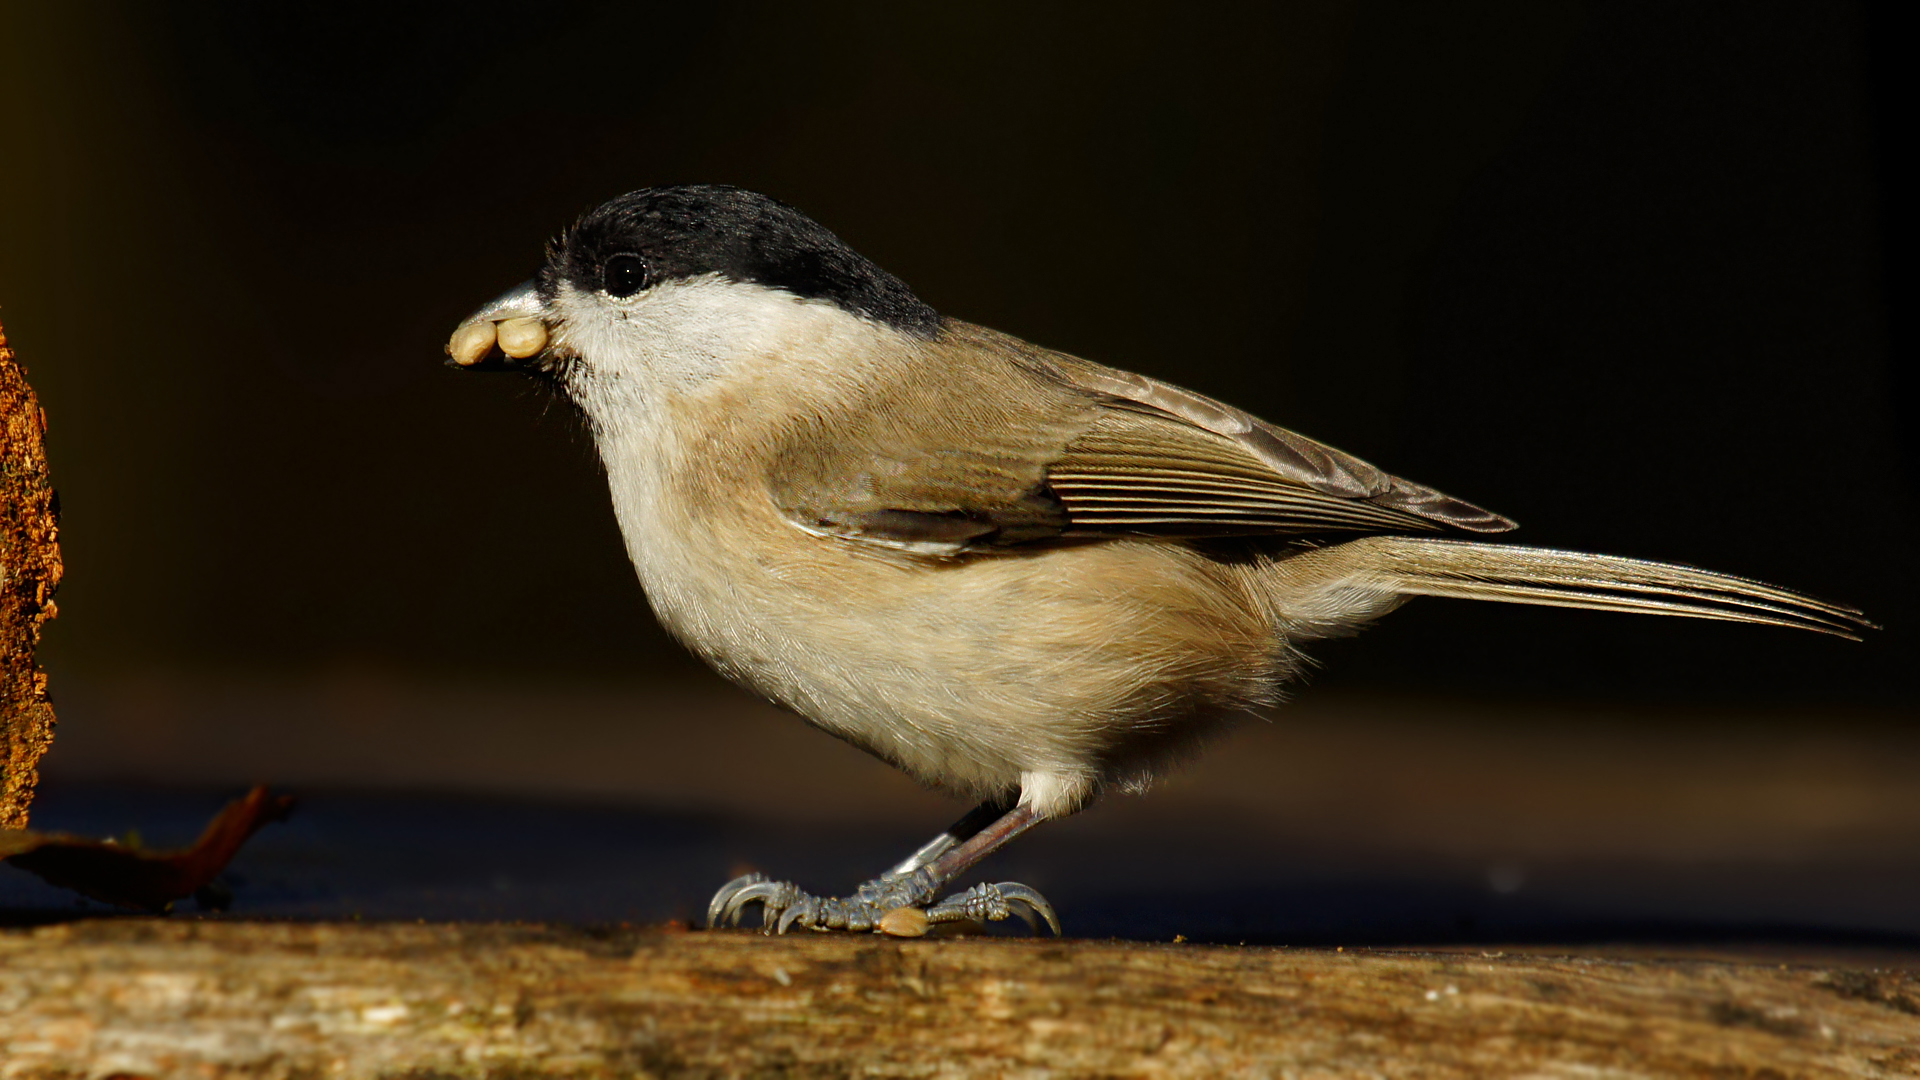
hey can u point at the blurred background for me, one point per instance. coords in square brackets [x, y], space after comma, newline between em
[1622, 271]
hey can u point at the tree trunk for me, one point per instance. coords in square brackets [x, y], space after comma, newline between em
[217, 1000]
[29, 574]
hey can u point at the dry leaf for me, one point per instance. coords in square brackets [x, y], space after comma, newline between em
[136, 878]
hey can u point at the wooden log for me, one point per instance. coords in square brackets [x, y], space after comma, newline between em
[215, 999]
[29, 573]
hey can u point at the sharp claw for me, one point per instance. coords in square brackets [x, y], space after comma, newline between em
[785, 905]
[1026, 913]
[768, 893]
[1014, 892]
[718, 905]
[801, 913]
[993, 903]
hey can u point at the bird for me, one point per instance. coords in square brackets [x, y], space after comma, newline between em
[1022, 577]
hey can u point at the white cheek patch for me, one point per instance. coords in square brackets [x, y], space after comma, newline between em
[678, 336]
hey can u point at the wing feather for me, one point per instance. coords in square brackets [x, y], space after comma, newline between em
[1140, 471]
[1013, 445]
[1279, 454]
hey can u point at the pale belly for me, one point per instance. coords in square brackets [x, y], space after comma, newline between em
[1068, 667]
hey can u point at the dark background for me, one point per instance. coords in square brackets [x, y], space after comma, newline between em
[1621, 271]
[1613, 269]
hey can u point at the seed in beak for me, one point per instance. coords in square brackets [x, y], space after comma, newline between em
[521, 338]
[471, 342]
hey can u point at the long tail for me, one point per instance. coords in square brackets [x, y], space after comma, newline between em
[1409, 566]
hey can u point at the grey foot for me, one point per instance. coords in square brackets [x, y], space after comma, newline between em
[785, 905]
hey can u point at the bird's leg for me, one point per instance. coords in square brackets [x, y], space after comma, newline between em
[989, 902]
[733, 898]
[957, 833]
[915, 883]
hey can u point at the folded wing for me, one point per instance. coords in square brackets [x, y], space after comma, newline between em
[1163, 459]
[1014, 445]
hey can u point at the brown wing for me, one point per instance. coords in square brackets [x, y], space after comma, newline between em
[1012, 445]
[936, 464]
[1157, 440]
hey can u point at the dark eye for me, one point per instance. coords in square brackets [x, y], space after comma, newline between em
[625, 275]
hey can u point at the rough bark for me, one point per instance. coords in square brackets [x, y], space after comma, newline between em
[29, 574]
[217, 999]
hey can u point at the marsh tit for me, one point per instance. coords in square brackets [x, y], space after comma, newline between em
[1021, 577]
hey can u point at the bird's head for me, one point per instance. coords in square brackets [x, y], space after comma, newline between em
[666, 288]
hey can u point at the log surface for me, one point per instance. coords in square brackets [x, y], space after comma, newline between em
[169, 998]
[29, 573]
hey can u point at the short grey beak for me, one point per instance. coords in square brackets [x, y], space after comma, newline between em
[507, 330]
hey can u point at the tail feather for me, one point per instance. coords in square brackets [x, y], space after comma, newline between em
[1411, 566]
